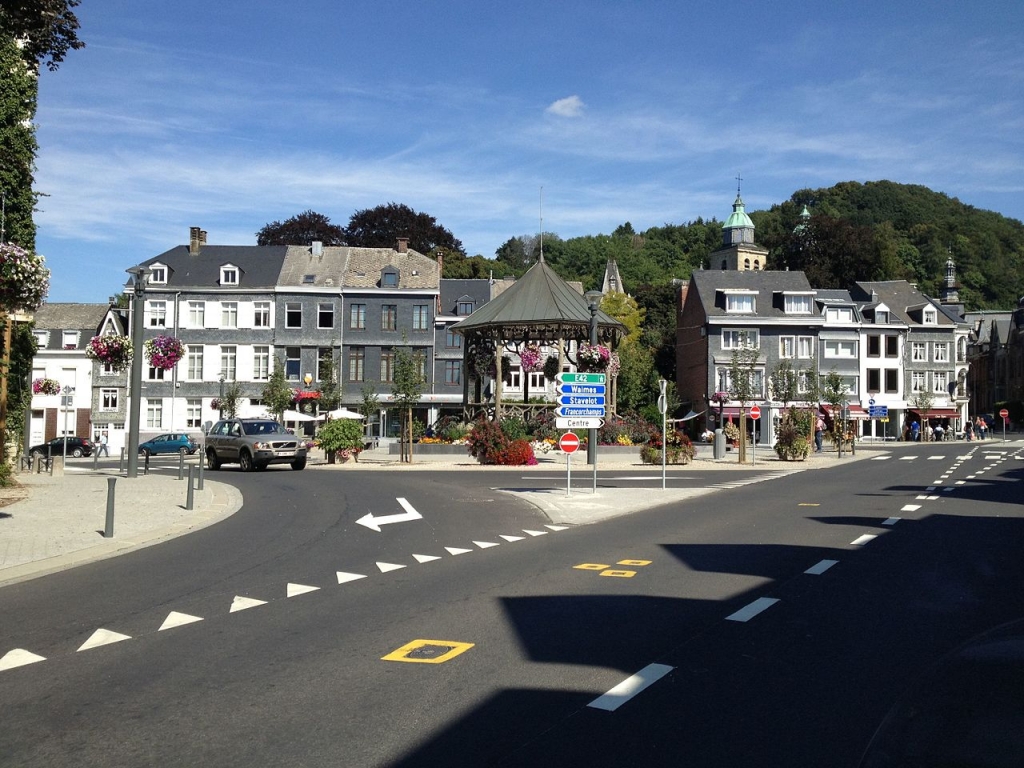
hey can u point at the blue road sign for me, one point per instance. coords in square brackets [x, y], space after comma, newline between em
[878, 411]
[579, 412]
[580, 389]
[581, 400]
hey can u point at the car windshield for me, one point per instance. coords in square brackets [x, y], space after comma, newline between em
[262, 428]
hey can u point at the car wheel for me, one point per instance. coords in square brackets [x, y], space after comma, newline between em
[77, 453]
[212, 462]
[299, 464]
[245, 461]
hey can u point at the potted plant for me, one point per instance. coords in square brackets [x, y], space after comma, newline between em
[794, 436]
[164, 352]
[593, 358]
[341, 439]
[24, 279]
[46, 387]
[678, 449]
[732, 433]
[115, 351]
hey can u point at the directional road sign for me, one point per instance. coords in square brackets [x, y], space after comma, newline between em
[582, 378]
[581, 389]
[574, 411]
[589, 422]
[878, 411]
[581, 400]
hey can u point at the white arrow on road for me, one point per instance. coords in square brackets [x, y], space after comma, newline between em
[374, 523]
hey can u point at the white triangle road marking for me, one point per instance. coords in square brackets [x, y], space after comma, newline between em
[19, 657]
[486, 544]
[102, 637]
[557, 527]
[457, 550]
[535, 533]
[176, 619]
[241, 603]
[426, 558]
[300, 589]
[512, 538]
[344, 578]
[386, 567]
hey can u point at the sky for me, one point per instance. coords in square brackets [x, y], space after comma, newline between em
[228, 115]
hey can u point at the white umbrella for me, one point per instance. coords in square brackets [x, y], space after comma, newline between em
[345, 413]
[297, 416]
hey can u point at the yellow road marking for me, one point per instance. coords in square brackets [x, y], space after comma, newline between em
[428, 651]
[590, 567]
[620, 574]
[634, 562]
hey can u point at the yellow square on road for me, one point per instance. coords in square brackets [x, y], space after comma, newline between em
[428, 651]
[634, 563]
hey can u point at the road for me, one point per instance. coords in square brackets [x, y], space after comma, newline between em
[776, 624]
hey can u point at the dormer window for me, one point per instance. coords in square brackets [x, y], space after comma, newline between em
[839, 315]
[229, 274]
[930, 317]
[389, 278]
[42, 338]
[797, 304]
[158, 274]
[740, 301]
[881, 316]
[69, 339]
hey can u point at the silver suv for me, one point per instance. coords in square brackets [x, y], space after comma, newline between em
[253, 444]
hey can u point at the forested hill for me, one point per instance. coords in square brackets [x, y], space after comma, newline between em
[874, 231]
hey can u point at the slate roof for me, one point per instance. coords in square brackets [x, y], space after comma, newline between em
[453, 289]
[365, 265]
[70, 317]
[327, 269]
[767, 283]
[259, 265]
[901, 297]
[990, 326]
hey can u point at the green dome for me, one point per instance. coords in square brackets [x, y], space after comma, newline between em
[739, 218]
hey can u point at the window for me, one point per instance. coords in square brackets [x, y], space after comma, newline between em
[196, 314]
[892, 346]
[787, 346]
[804, 347]
[739, 303]
[356, 359]
[325, 315]
[228, 362]
[452, 340]
[261, 314]
[850, 384]
[108, 370]
[154, 414]
[229, 275]
[421, 317]
[798, 305]
[109, 399]
[941, 352]
[261, 363]
[940, 380]
[42, 338]
[874, 379]
[194, 412]
[803, 382]
[229, 314]
[69, 339]
[881, 316]
[739, 340]
[389, 317]
[835, 348]
[293, 315]
[387, 365]
[961, 350]
[917, 381]
[194, 363]
[157, 314]
[292, 363]
[389, 279]
[839, 315]
[419, 359]
[892, 380]
[874, 346]
[357, 317]
[452, 372]
[157, 274]
[537, 380]
[515, 376]
[919, 352]
[930, 317]
[465, 308]
[725, 383]
[156, 374]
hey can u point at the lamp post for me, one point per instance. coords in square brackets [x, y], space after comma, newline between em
[67, 392]
[593, 297]
[135, 396]
[220, 400]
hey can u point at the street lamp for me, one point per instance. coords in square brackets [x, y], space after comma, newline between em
[135, 396]
[67, 392]
[220, 400]
[593, 298]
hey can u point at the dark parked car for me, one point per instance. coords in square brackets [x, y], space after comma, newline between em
[77, 446]
[174, 442]
[253, 444]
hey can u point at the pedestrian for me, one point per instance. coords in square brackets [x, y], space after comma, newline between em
[104, 449]
[969, 431]
[982, 428]
[915, 431]
[819, 432]
[939, 432]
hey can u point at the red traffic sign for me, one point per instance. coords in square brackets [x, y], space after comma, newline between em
[1003, 413]
[755, 412]
[568, 443]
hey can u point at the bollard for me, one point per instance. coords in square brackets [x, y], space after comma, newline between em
[181, 465]
[202, 462]
[146, 470]
[95, 459]
[120, 466]
[189, 495]
[108, 529]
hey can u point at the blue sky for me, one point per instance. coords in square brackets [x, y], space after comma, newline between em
[227, 115]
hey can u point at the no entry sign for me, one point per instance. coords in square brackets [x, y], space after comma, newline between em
[755, 412]
[568, 443]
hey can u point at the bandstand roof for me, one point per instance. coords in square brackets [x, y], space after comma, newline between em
[540, 307]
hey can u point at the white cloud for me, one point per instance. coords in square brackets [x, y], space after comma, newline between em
[570, 106]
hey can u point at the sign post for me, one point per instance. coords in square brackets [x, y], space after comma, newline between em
[568, 444]
[663, 408]
[1004, 415]
[581, 396]
[755, 414]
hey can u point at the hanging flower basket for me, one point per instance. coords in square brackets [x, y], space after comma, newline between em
[46, 387]
[531, 359]
[215, 404]
[592, 358]
[164, 351]
[24, 279]
[115, 351]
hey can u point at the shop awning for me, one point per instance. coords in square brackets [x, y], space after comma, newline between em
[856, 412]
[938, 413]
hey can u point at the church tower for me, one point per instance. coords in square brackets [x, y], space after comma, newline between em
[739, 252]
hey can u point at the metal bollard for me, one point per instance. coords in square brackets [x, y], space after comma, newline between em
[181, 465]
[202, 463]
[120, 466]
[108, 529]
[95, 459]
[190, 495]
[146, 469]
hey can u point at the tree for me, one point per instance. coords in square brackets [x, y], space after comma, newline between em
[229, 403]
[276, 393]
[381, 227]
[922, 402]
[330, 389]
[637, 381]
[784, 382]
[301, 229]
[46, 28]
[834, 392]
[406, 388]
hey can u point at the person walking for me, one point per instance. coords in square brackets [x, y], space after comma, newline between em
[969, 431]
[915, 431]
[104, 449]
[819, 432]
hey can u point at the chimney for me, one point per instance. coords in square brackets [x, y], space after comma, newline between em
[318, 248]
[403, 245]
[196, 237]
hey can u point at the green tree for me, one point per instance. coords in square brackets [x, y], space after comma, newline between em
[277, 394]
[340, 435]
[329, 387]
[18, 147]
[381, 227]
[637, 382]
[834, 392]
[784, 382]
[626, 310]
[229, 403]
[406, 388]
[301, 229]
[46, 29]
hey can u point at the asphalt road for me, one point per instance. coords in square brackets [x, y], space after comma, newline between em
[775, 624]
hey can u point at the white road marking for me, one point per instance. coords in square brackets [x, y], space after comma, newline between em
[458, 551]
[557, 527]
[881, 458]
[176, 619]
[820, 568]
[891, 521]
[910, 508]
[750, 611]
[102, 637]
[907, 458]
[630, 687]
[345, 578]
[935, 458]
[426, 558]
[486, 544]
[927, 498]
[512, 538]
[19, 657]
[535, 533]
[861, 540]
[388, 567]
[959, 482]
[374, 523]
[242, 603]
[300, 589]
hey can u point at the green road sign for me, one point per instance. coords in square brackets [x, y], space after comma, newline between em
[582, 378]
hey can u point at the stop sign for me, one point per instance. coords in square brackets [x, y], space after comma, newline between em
[568, 443]
[1003, 413]
[755, 412]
